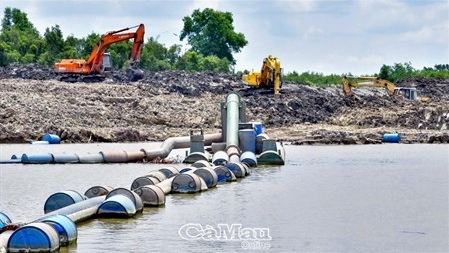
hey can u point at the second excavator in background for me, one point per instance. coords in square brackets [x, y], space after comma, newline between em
[269, 77]
[410, 93]
[99, 63]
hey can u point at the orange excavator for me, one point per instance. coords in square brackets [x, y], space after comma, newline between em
[99, 63]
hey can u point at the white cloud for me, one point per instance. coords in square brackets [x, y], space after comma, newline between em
[356, 36]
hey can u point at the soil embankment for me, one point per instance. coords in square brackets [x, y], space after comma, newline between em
[171, 103]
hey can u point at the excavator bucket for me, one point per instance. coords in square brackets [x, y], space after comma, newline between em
[134, 74]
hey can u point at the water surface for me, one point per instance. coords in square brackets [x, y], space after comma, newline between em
[370, 198]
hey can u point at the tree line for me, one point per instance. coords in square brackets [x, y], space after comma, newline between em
[209, 33]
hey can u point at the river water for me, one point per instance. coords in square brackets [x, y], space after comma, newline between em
[370, 198]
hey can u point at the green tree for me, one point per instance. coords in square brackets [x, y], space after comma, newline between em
[154, 56]
[190, 61]
[7, 19]
[211, 33]
[214, 64]
[21, 40]
[396, 72]
[54, 40]
[385, 72]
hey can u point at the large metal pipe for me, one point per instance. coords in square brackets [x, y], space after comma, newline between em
[232, 119]
[179, 142]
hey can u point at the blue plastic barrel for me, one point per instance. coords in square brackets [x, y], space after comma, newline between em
[208, 175]
[186, 183]
[249, 158]
[37, 158]
[62, 199]
[4, 220]
[169, 171]
[224, 174]
[237, 168]
[143, 181]
[247, 140]
[220, 158]
[117, 206]
[65, 227]
[34, 237]
[159, 175]
[51, 138]
[258, 127]
[97, 190]
[186, 169]
[129, 194]
[391, 138]
[151, 195]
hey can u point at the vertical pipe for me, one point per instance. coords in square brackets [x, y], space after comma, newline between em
[232, 119]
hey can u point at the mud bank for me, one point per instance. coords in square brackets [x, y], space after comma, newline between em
[171, 103]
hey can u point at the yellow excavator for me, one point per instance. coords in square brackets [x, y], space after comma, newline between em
[269, 77]
[410, 93]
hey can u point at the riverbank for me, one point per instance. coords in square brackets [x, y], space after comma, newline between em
[169, 104]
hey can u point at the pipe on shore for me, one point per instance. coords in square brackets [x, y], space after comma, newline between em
[178, 142]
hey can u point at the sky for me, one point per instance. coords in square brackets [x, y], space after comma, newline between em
[322, 36]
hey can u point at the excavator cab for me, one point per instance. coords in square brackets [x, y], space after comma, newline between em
[106, 65]
[409, 93]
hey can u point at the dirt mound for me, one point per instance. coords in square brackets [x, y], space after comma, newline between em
[171, 103]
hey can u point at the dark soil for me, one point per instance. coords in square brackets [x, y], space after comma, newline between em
[171, 103]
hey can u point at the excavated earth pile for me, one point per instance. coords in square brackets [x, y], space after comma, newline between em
[172, 103]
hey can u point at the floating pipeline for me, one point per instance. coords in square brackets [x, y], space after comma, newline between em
[271, 153]
[66, 158]
[56, 228]
[202, 175]
[119, 202]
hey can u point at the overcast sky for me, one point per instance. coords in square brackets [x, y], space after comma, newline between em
[329, 37]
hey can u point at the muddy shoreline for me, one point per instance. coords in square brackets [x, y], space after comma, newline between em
[169, 104]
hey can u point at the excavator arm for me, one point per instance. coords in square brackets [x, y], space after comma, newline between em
[96, 57]
[367, 82]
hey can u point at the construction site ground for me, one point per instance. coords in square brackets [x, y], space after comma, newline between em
[172, 103]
